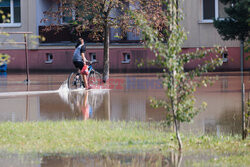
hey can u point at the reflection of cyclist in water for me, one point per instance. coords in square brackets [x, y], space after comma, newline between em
[80, 105]
[79, 60]
[86, 108]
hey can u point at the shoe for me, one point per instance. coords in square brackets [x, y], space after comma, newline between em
[83, 84]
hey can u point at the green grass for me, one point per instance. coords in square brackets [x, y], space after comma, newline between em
[102, 137]
[76, 136]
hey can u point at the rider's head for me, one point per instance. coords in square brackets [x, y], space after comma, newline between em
[79, 41]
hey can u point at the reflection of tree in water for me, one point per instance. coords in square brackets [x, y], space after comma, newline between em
[230, 121]
[144, 159]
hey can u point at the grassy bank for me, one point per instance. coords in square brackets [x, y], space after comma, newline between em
[78, 137]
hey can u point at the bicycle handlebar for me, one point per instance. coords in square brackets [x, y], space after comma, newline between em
[91, 62]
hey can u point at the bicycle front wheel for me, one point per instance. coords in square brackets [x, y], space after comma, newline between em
[75, 81]
[94, 79]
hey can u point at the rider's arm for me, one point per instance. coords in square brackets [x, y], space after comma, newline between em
[83, 57]
[83, 49]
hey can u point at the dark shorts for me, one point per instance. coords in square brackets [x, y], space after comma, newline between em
[78, 64]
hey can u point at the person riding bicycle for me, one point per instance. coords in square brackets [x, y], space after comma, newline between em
[79, 60]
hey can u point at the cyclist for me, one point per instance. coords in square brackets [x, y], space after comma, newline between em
[79, 60]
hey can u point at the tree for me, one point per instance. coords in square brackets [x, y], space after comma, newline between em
[94, 16]
[236, 27]
[165, 39]
[4, 58]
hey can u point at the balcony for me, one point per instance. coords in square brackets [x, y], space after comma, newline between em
[65, 35]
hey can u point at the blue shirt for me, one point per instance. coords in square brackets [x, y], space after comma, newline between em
[77, 53]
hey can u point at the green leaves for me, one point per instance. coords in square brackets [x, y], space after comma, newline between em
[167, 43]
[4, 59]
[236, 26]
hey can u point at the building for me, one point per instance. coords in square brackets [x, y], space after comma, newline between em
[56, 52]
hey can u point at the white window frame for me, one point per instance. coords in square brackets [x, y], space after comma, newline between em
[225, 57]
[216, 12]
[49, 58]
[92, 55]
[11, 24]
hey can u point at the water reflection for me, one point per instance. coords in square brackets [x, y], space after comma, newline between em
[128, 100]
[85, 103]
[3, 80]
[65, 105]
[170, 159]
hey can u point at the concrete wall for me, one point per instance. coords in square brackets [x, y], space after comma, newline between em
[28, 24]
[62, 59]
[199, 33]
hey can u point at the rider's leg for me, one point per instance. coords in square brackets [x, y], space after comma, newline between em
[85, 81]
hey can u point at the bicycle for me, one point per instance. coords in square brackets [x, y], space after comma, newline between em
[75, 79]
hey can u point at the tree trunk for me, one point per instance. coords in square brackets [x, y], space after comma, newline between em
[174, 110]
[244, 131]
[106, 52]
[177, 127]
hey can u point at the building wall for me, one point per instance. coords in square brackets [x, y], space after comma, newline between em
[62, 59]
[200, 34]
[28, 24]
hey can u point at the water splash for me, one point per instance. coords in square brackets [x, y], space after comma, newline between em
[75, 97]
[63, 87]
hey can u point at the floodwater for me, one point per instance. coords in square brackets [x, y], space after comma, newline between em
[170, 159]
[124, 97]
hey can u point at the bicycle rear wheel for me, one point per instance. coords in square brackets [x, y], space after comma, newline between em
[94, 79]
[75, 81]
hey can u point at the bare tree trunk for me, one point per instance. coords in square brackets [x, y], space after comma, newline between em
[106, 52]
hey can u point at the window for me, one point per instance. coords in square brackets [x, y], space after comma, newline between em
[224, 84]
[49, 58]
[126, 58]
[208, 9]
[92, 57]
[213, 9]
[225, 57]
[11, 12]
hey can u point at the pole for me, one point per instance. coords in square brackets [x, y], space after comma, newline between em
[25, 43]
[242, 88]
[27, 104]
[27, 58]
